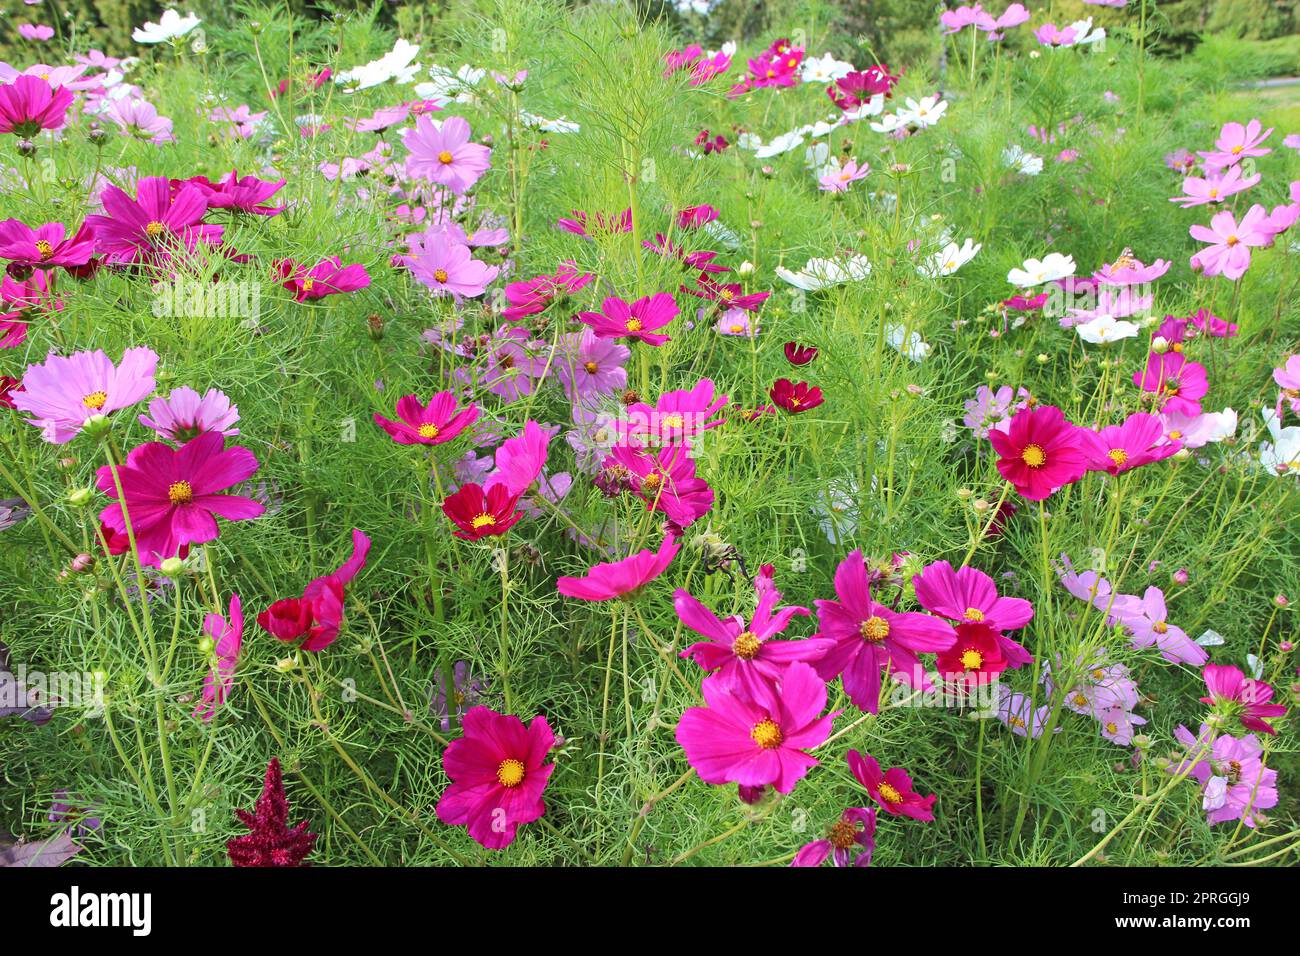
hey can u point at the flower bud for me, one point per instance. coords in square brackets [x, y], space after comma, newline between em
[980, 505]
[172, 568]
[1180, 576]
[80, 497]
[1159, 345]
[206, 645]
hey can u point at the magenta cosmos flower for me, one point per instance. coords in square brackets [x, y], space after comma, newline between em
[1237, 696]
[968, 596]
[317, 616]
[247, 194]
[1177, 383]
[448, 268]
[620, 578]
[327, 277]
[45, 246]
[1119, 448]
[149, 227]
[1039, 452]
[227, 635]
[677, 416]
[530, 296]
[432, 424]
[1230, 242]
[743, 657]
[174, 496]
[637, 320]
[64, 392]
[763, 742]
[855, 829]
[185, 414]
[869, 636]
[520, 460]
[891, 789]
[29, 104]
[443, 154]
[498, 773]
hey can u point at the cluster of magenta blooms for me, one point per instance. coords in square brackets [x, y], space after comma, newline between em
[765, 696]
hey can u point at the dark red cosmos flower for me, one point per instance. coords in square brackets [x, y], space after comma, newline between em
[9, 385]
[853, 90]
[729, 295]
[795, 397]
[271, 841]
[318, 614]
[481, 515]
[974, 657]
[798, 355]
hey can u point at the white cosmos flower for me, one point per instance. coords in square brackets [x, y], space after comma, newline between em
[397, 64]
[825, 127]
[824, 273]
[927, 112]
[1034, 272]
[1085, 34]
[781, 144]
[1105, 329]
[1022, 161]
[749, 141]
[169, 26]
[560, 125]
[952, 258]
[816, 156]
[889, 123]
[445, 85]
[824, 69]
[872, 107]
[1281, 456]
[909, 345]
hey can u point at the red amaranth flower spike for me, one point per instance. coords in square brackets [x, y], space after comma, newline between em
[271, 841]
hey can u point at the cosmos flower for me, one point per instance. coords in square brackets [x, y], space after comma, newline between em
[154, 225]
[170, 26]
[240, 194]
[1230, 242]
[29, 104]
[45, 246]
[438, 421]
[447, 267]
[891, 789]
[65, 392]
[590, 366]
[623, 578]
[799, 355]
[1148, 621]
[1039, 452]
[1176, 383]
[1237, 142]
[1235, 784]
[1235, 695]
[1140, 440]
[317, 616]
[479, 515]
[185, 414]
[763, 742]
[795, 397]
[327, 277]
[968, 595]
[1034, 272]
[856, 827]
[443, 154]
[637, 320]
[227, 636]
[532, 296]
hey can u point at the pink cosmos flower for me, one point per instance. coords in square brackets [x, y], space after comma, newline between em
[838, 176]
[64, 392]
[241, 120]
[891, 789]
[1177, 383]
[29, 104]
[856, 827]
[534, 295]
[155, 224]
[954, 21]
[498, 774]
[856, 89]
[1235, 784]
[185, 414]
[1237, 695]
[589, 366]
[1017, 712]
[520, 460]
[140, 119]
[327, 277]
[324, 595]
[447, 267]
[693, 217]
[433, 424]
[1049, 34]
[1150, 626]
[38, 32]
[742, 657]
[638, 320]
[443, 154]
[728, 295]
[45, 246]
[1118, 725]
[968, 595]
[1198, 192]
[1288, 382]
[1012, 16]
[1139, 441]
[665, 480]
[1039, 452]
[228, 638]
[620, 578]
[736, 322]
[1212, 325]
[1235, 143]
[763, 742]
[677, 416]
[247, 194]
[869, 636]
[509, 366]
[174, 495]
[598, 224]
[1230, 242]
[1127, 271]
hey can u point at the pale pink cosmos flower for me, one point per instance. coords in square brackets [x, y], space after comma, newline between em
[1198, 191]
[1195, 431]
[1117, 725]
[64, 392]
[1230, 242]
[1288, 383]
[186, 414]
[140, 118]
[227, 635]
[590, 366]
[443, 154]
[1149, 622]
[1235, 143]
[836, 177]
[446, 267]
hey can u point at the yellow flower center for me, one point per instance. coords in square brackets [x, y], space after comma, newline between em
[972, 659]
[842, 834]
[634, 325]
[674, 420]
[973, 614]
[1175, 434]
[510, 773]
[1236, 150]
[1080, 700]
[1213, 193]
[440, 275]
[154, 229]
[1160, 627]
[1033, 456]
[766, 734]
[44, 248]
[1098, 674]
[1231, 241]
[737, 328]
[483, 521]
[1117, 455]
[874, 629]
[890, 794]
[427, 430]
[307, 283]
[591, 368]
[95, 400]
[652, 481]
[747, 645]
[180, 493]
[1112, 727]
[445, 157]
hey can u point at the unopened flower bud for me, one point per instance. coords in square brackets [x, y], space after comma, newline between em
[206, 645]
[82, 563]
[964, 493]
[172, 568]
[1159, 345]
[1041, 358]
[97, 426]
[1281, 600]
[80, 497]
[980, 505]
[1180, 576]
